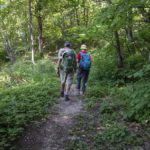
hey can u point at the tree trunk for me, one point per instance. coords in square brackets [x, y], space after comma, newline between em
[118, 50]
[129, 33]
[84, 13]
[87, 17]
[30, 31]
[149, 57]
[40, 27]
[146, 15]
[146, 18]
[117, 46]
[77, 16]
[40, 37]
[8, 48]
[109, 1]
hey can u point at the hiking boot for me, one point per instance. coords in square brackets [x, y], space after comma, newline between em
[67, 98]
[62, 93]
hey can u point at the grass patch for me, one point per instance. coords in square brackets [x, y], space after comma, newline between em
[26, 99]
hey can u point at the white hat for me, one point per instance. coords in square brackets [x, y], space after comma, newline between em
[83, 46]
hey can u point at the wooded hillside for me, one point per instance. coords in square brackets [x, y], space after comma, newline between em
[117, 34]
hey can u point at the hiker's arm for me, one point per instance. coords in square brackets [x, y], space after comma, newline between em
[59, 61]
[78, 59]
[58, 64]
[59, 58]
[75, 63]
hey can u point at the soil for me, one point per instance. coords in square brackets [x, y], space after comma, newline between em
[52, 133]
[65, 118]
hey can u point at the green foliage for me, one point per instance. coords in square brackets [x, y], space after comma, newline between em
[141, 73]
[102, 131]
[22, 73]
[136, 100]
[107, 107]
[135, 61]
[20, 102]
[128, 88]
[90, 22]
[2, 56]
[20, 105]
[97, 91]
[103, 66]
[131, 89]
[116, 133]
[78, 145]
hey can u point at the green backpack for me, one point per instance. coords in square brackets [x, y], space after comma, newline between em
[68, 63]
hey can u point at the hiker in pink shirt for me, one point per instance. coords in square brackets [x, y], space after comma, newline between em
[84, 65]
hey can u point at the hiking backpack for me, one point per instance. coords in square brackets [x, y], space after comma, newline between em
[68, 63]
[85, 61]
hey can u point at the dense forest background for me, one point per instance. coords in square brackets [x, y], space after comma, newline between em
[117, 33]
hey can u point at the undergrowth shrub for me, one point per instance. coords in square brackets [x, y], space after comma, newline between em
[26, 97]
[20, 105]
[135, 100]
[135, 61]
[129, 84]
[107, 107]
[22, 73]
[117, 135]
[144, 72]
[103, 65]
[97, 91]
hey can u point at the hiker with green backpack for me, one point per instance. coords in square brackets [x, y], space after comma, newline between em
[66, 68]
[84, 65]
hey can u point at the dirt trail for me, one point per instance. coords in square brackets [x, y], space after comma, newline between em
[53, 133]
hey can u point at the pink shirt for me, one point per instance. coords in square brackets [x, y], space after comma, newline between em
[78, 57]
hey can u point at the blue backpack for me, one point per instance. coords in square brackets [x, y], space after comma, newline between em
[85, 61]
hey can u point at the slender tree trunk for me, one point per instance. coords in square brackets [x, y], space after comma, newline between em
[84, 13]
[8, 48]
[129, 34]
[130, 41]
[40, 26]
[149, 57]
[108, 1]
[87, 17]
[40, 37]
[77, 16]
[117, 45]
[9, 51]
[118, 50]
[146, 18]
[146, 15]
[30, 31]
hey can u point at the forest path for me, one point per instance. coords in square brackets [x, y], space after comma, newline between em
[54, 132]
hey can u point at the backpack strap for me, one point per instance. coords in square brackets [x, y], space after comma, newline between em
[81, 54]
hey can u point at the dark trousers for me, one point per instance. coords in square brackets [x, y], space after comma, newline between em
[82, 77]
